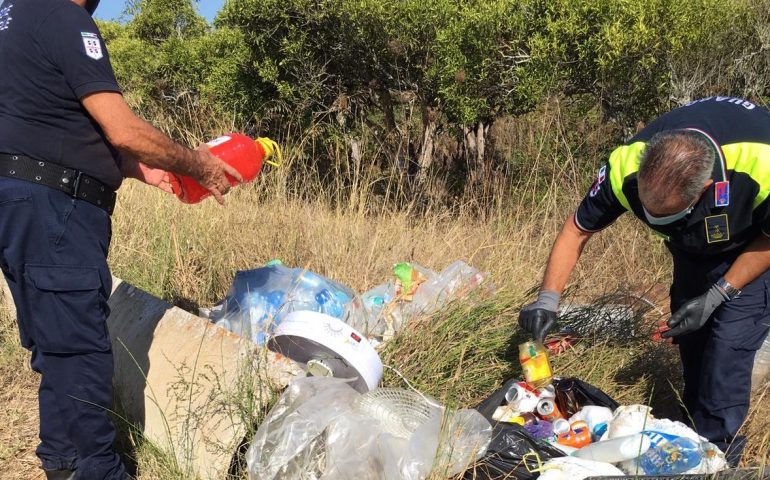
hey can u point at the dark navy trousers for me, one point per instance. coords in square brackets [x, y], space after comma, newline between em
[53, 254]
[717, 360]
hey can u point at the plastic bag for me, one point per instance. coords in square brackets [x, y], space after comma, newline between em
[571, 468]
[455, 281]
[288, 444]
[596, 417]
[259, 299]
[413, 291]
[628, 420]
[512, 453]
[319, 429]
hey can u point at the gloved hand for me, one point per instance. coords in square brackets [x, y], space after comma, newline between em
[693, 315]
[539, 317]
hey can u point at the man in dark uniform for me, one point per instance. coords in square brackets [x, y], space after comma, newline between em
[699, 177]
[67, 139]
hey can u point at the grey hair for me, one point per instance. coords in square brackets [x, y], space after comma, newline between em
[677, 162]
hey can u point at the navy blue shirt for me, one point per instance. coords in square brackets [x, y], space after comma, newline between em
[731, 213]
[51, 56]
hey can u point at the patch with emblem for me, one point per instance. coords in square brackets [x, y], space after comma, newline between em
[600, 177]
[5, 17]
[722, 194]
[93, 45]
[717, 229]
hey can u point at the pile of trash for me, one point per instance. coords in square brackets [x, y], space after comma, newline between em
[577, 431]
[321, 428]
[337, 422]
[260, 299]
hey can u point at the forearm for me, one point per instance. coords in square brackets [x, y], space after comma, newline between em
[138, 140]
[753, 262]
[564, 256]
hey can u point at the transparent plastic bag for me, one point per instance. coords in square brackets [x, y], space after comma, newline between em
[320, 429]
[287, 445]
[259, 299]
[455, 281]
[628, 420]
[382, 311]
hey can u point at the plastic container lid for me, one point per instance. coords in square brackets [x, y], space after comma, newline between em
[306, 336]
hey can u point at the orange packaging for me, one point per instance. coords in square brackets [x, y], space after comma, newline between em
[578, 437]
[534, 362]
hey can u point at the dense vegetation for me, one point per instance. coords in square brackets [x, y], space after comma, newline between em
[415, 87]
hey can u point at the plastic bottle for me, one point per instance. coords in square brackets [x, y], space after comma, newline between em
[615, 450]
[578, 435]
[533, 357]
[671, 458]
[238, 150]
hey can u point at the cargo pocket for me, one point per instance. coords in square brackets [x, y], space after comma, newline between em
[70, 309]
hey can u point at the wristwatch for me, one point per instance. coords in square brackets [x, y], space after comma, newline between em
[730, 291]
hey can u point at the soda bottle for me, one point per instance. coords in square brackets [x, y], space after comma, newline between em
[533, 357]
[236, 149]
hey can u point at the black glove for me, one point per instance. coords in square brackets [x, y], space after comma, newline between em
[695, 313]
[539, 317]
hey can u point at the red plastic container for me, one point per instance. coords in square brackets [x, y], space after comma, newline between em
[240, 151]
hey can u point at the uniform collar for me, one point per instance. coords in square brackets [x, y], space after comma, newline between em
[719, 172]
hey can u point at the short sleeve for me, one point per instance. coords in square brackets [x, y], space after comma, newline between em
[70, 39]
[599, 207]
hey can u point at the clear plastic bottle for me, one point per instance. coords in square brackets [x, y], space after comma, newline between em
[671, 458]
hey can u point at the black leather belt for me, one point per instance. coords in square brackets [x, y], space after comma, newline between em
[68, 180]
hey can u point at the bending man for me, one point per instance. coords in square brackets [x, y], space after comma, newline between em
[699, 177]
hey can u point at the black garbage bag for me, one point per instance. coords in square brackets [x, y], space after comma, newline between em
[571, 395]
[506, 457]
[510, 455]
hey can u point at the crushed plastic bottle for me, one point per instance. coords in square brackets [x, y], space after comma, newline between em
[671, 458]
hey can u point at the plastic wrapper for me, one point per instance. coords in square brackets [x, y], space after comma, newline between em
[628, 420]
[596, 417]
[259, 299]
[571, 468]
[663, 431]
[414, 291]
[321, 429]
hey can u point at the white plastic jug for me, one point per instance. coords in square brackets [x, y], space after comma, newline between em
[616, 449]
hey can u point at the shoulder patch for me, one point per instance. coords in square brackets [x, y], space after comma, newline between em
[600, 177]
[93, 45]
[5, 17]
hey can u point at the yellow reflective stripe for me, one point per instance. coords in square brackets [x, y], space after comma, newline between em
[623, 162]
[752, 159]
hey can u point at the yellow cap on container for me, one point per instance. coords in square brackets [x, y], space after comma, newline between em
[271, 150]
